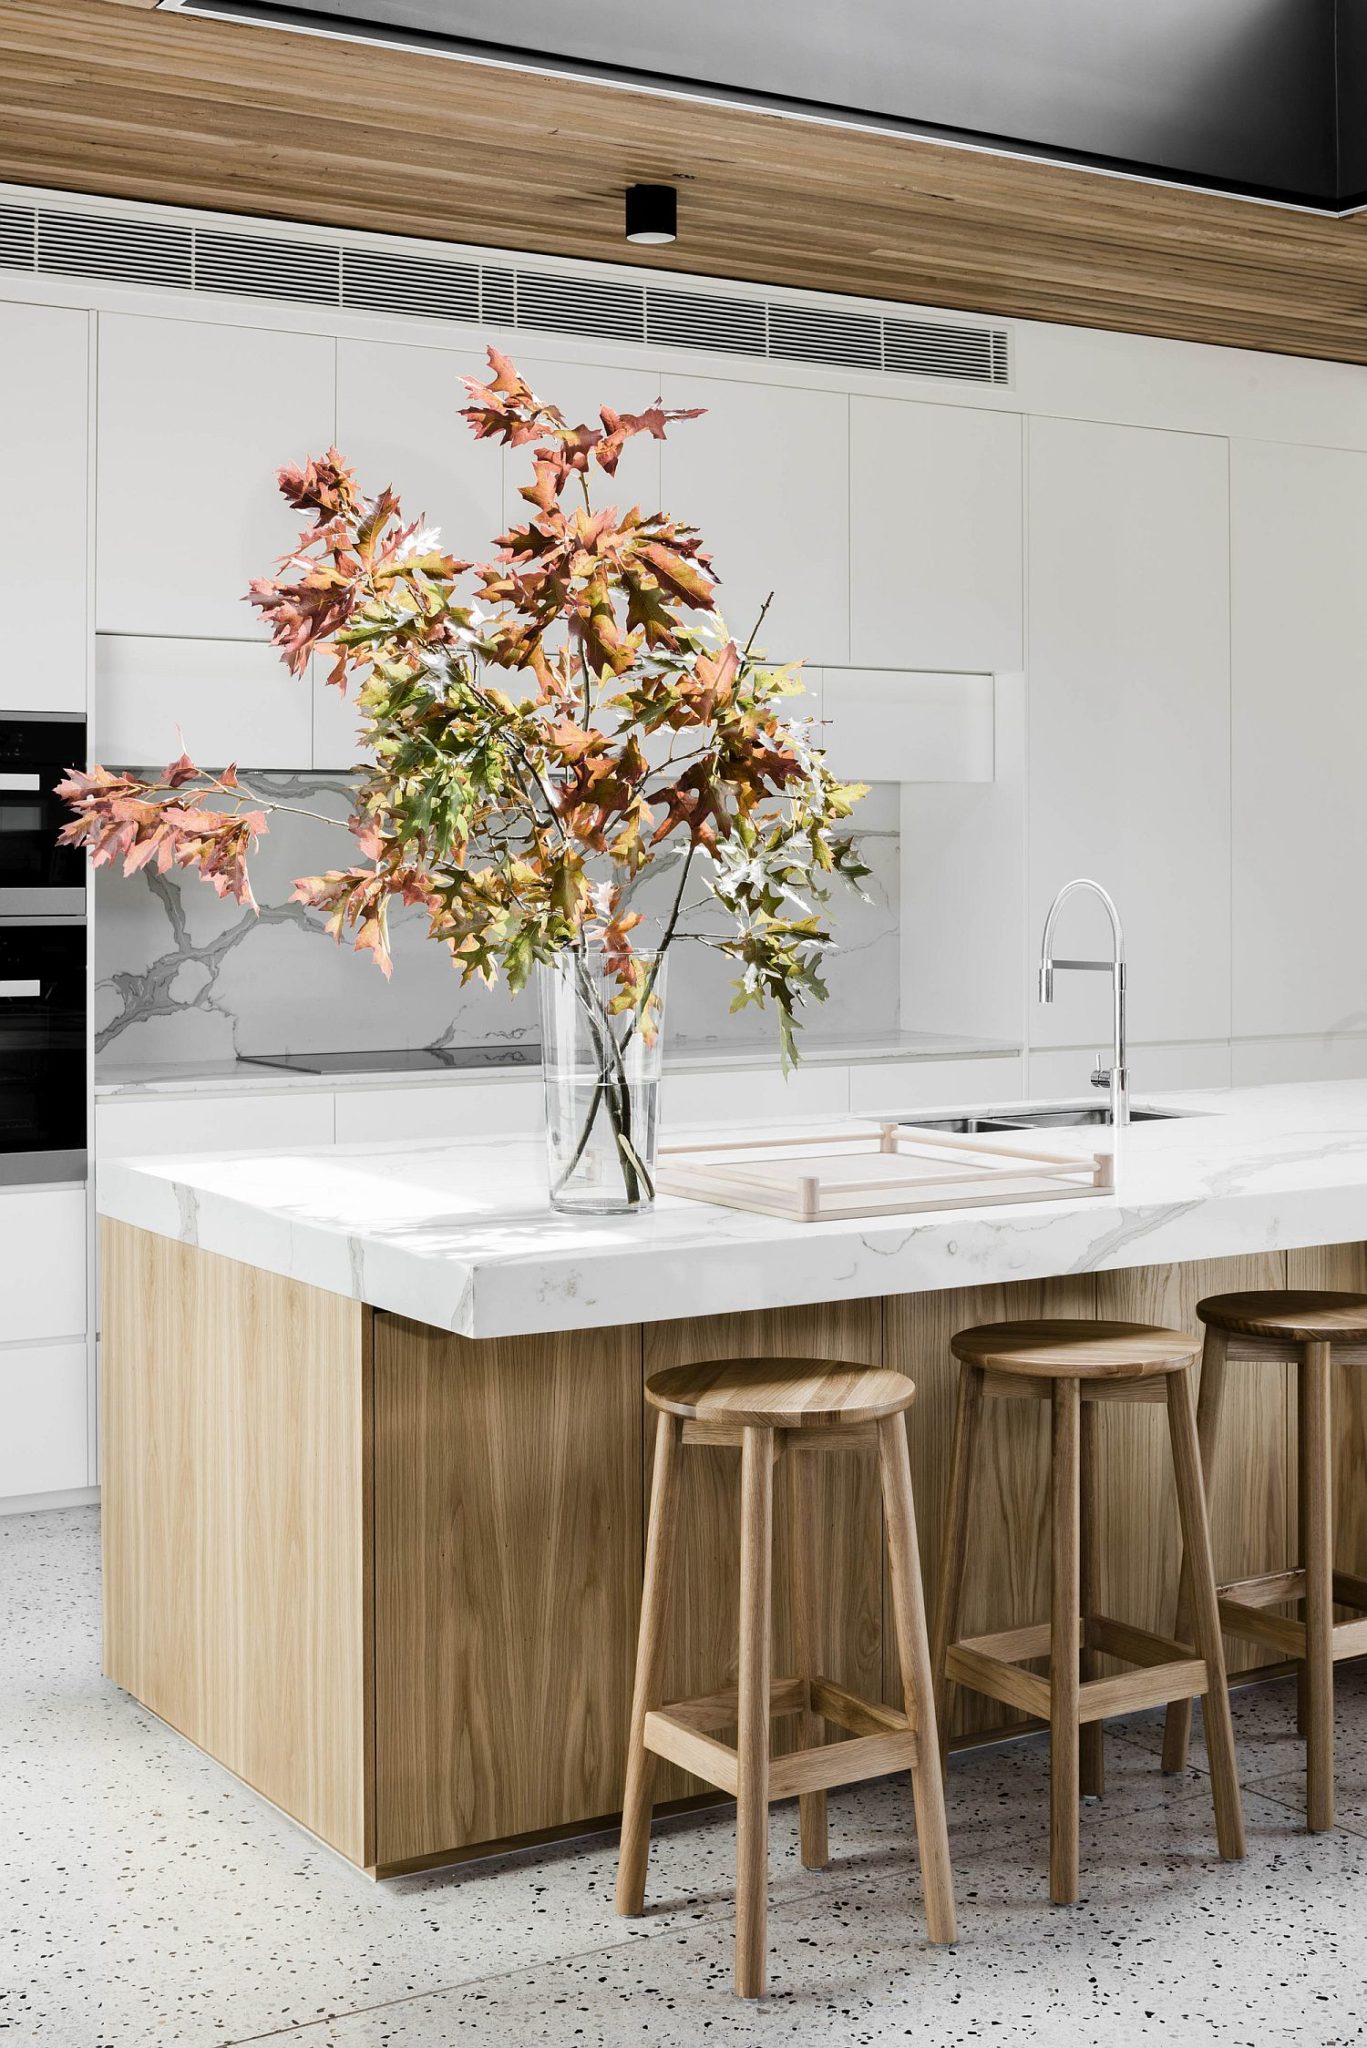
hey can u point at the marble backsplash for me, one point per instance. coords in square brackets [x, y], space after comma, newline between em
[182, 977]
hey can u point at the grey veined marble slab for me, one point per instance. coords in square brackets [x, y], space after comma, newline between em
[462, 1236]
[184, 978]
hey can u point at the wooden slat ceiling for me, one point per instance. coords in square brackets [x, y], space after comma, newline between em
[107, 96]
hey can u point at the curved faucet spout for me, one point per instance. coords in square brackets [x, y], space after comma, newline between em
[1117, 1077]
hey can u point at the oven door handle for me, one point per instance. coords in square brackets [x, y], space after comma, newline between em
[13, 785]
[17, 989]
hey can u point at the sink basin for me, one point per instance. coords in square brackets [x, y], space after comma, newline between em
[1054, 1117]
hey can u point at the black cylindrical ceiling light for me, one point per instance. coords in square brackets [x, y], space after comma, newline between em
[652, 214]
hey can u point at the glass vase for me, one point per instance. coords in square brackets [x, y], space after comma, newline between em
[601, 1048]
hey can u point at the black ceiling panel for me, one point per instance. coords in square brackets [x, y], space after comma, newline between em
[1249, 96]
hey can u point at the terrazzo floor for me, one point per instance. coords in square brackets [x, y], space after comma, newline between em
[147, 1898]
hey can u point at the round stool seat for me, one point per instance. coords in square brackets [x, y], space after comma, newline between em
[1290, 1316]
[1069, 1348]
[780, 1393]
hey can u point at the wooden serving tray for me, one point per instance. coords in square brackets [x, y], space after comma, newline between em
[881, 1172]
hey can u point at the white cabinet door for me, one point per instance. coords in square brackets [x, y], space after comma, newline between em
[127, 1127]
[935, 536]
[194, 422]
[43, 1264]
[44, 509]
[1299, 532]
[44, 1399]
[878, 726]
[224, 700]
[765, 475]
[1129, 721]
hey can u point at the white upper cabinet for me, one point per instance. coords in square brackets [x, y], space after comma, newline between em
[223, 700]
[399, 423]
[765, 475]
[44, 505]
[1129, 721]
[935, 536]
[194, 422]
[1299, 534]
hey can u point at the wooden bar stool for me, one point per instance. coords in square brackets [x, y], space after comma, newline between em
[768, 1407]
[1311, 1330]
[1075, 1365]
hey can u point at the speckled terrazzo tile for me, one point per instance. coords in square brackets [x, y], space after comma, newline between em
[1270, 1753]
[1170, 1945]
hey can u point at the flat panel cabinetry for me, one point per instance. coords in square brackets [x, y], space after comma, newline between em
[224, 700]
[128, 1126]
[1129, 720]
[765, 475]
[44, 1357]
[935, 536]
[1299, 537]
[194, 421]
[44, 506]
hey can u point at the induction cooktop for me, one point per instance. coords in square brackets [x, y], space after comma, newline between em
[422, 1059]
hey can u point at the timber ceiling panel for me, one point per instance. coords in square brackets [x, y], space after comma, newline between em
[108, 96]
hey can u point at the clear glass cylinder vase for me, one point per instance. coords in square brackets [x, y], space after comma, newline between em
[601, 1048]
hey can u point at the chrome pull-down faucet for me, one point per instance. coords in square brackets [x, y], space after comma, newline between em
[1116, 1077]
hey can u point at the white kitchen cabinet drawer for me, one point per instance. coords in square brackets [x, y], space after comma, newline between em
[42, 1265]
[896, 1087]
[44, 510]
[935, 536]
[737, 1097]
[194, 422]
[879, 726]
[126, 1127]
[439, 1113]
[44, 1400]
[229, 700]
[765, 475]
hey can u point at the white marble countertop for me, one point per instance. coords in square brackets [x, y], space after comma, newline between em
[462, 1236]
[212, 1077]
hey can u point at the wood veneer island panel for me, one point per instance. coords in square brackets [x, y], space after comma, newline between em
[390, 1576]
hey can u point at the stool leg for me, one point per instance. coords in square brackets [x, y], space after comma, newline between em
[1317, 1495]
[1064, 1647]
[752, 1732]
[1091, 1751]
[802, 1527]
[650, 1655]
[1177, 1723]
[918, 1690]
[1191, 1504]
[967, 1420]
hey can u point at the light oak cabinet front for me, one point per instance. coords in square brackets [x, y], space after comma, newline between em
[935, 536]
[194, 422]
[44, 505]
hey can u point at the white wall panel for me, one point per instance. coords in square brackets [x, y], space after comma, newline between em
[44, 505]
[1299, 588]
[935, 536]
[194, 421]
[1129, 721]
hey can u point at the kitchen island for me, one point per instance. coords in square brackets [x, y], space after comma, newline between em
[376, 1449]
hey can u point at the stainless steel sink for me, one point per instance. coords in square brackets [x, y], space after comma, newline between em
[1054, 1117]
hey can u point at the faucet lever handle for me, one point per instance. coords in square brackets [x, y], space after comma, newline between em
[1100, 1076]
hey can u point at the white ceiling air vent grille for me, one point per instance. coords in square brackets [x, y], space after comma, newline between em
[932, 348]
[811, 334]
[255, 267]
[376, 281]
[18, 238]
[735, 327]
[497, 296]
[147, 249]
[132, 251]
[554, 302]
